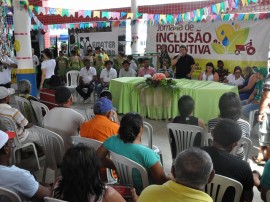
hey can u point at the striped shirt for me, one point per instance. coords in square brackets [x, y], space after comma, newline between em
[18, 118]
[244, 125]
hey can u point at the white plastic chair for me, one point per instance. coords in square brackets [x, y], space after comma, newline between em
[54, 150]
[251, 117]
[11, 195]
[6, 123]
[182, 136]
[49, 199]
[94, 144]
[247, 144]
[72, 82]
[268, 196]
[125, 166]
[39, 108]
[89, 114]
[150, 132]
[23, 104]
[219, 185]
[208, 139]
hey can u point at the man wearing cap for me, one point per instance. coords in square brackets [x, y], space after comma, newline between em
[62, 119]
[184, 64]
[16, 179]
[253, 102]
[106, 75]
[25, 131]
[101, 127]
[126, 70]
[88, 76]
[226, 135]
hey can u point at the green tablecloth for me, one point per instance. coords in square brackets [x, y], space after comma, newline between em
[156, 104]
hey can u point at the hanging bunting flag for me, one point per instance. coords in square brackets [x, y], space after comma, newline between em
[65, 12]
[105, 15]
[214, 9]
[122, 14]
[244, 2]
[156, 18]
[222, 7]
[96, 14]
[80, 13]
[116, 15]
[138, 15]
[145, 16]
[218, 7]
[151, 16]
[162, 18]
[130, 16]
[87, 13]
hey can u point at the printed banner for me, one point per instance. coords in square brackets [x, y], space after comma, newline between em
[112, 42]
[237, 43]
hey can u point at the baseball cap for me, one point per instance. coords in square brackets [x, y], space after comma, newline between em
[5, 136]
[263, 71]
[102, 105]
[4, 92]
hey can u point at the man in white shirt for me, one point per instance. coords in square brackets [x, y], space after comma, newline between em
[127, 71]
[88, 76]
[106, 75]
[5, 71]
[16, 179]
[63, 120]
[35, 60]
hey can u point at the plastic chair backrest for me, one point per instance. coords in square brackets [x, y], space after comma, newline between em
[219, 185]
[89, 114]
[39, 108]
[268, 196]
[182, 136]
[124, 167]
[26, 109]
[247, 144]
[150, 132]
[49, 199]
[87, 141]
[6, 193]
[72, 78]
[7, 124]
[53, 147]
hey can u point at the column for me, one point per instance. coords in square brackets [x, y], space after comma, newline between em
[134, 28]
[22, 45]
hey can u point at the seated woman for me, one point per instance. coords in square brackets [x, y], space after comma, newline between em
[236, 78]
[47, 95]
[249, 84]
[165, 69]
[80, 179]
[230, 108]
[186, 106]
[128, 143]
[209, 74]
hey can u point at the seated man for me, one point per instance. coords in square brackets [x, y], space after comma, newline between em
[101, 127]
[126, 70]
[226, 135]
[63, 120]
[106, 75]
[193, 169]
[146, 69]
[87, 78]
[16, 179]
[26, 132]
[24, 88]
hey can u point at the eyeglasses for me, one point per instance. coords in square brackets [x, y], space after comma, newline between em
[237, 72]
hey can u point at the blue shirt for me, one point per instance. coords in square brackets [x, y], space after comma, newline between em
[141, 154]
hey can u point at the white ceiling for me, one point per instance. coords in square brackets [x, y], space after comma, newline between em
[106, 4]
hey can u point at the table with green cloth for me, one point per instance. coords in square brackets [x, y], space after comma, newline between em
[161, 103]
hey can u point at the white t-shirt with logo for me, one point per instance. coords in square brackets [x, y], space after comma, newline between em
[87, 75]
[237, 82]
[108, 75]
[49, 65]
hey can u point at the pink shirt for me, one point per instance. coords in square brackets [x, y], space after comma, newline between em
[143, 71]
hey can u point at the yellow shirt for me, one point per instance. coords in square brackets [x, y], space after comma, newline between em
[172, 191]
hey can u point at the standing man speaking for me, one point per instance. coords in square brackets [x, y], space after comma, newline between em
[184, 64]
